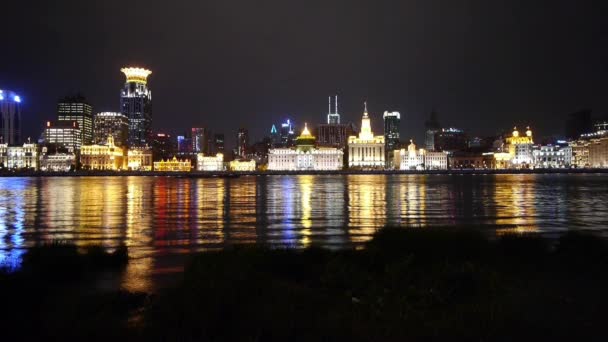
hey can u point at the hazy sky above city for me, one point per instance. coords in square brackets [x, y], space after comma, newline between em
[484, 65]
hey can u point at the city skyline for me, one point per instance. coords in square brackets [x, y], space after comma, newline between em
[480, 69]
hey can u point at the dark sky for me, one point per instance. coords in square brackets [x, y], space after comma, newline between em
[484, 65]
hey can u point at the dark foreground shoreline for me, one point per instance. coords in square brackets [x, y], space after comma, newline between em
[406, 284]
[230, 174]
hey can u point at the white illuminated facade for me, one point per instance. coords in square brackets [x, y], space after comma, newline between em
[57, 159]
[552, 156]
[210, 163]
[419, 159]
[366, 150]
[19, 157]
[305, 156]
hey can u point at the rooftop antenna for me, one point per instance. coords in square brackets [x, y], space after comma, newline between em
[336, 104]
[365, 105]
[329, 107]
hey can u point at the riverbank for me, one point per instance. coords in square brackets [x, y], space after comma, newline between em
[405, 284]
[231, 174]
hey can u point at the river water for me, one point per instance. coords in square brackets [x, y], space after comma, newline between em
[159, 218]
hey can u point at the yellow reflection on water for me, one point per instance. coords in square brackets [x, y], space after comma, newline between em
[306, 186]
[515, 198]
[413, 200]
[367, 205]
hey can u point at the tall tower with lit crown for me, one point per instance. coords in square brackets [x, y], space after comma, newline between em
[136, 104]
[10, 118]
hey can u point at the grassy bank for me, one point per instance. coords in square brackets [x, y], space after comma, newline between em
[405, 284]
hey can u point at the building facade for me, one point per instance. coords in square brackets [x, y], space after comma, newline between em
[552, 156]
[111, 123]
[431, 127]
[136, 105]
[366, 150]
[242, 166]
[242, 143]
[163, 147]
[391, 134]
[305, 156]
[210, 163]
[103, 157]
[173, 165]
[139, 159]
[19, 157]
[598, 153]
[65, 134]
[57, 159]
[10, 118]
[77, 109]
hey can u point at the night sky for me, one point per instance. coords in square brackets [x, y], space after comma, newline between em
[484, 65]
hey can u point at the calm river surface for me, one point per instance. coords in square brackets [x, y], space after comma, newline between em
[160, 217]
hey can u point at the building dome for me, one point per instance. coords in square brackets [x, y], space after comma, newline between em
[528, 131]
[305, 139]
[515, 132]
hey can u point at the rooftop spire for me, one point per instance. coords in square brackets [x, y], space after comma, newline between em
[365, 108]
[336, 104]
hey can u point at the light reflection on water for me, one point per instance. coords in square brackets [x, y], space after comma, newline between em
[157, 217]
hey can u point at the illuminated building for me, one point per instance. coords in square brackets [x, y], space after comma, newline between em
[114, 124]
[64, 134]
[242, 166]
[450, 140]
[103, 157]
[305, 156]
[366, 150]
[76, 108]
[184, 145]
[136, 104]
[520, 148]
[391, 134]
[419, 159]
[275, 138]
[210, 163]
[10, 118]
[242, 143]
[163, 147]
[57, 159]
[287, 135]
[139, 159]
[19, 157]
[598, 153]
[431, 126]
[333, 118]
[552, 156]
[333, 133]
[173, 165]
[580, 153]
[200, 140]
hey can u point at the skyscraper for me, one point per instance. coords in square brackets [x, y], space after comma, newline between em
[63, 135]
[242, 143]
[200, 140]
[111, 124]
[333, 118]
[287, 135]
[136, 104]
[391, 134]
[218, 144]
[163, 147]
[431, 127]
[333, 133]
[10, 118]
[76, 108]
